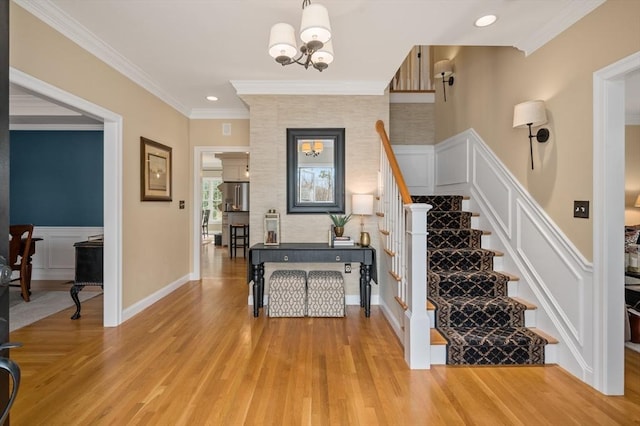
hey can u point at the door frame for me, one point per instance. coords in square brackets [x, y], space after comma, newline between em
[197, 201]
[112, 189]
[608, 223]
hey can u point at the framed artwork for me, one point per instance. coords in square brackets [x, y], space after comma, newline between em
[155, 171]
[315, 170]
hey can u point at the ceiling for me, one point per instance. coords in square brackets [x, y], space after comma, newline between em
[184, 50]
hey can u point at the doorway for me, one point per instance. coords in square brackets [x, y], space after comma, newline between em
[608, 223]
[112, 189]
[197, 200]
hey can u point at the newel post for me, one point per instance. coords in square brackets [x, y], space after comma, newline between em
[417, 339]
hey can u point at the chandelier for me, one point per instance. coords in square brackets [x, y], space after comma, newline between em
[312, 149]
[315, 33]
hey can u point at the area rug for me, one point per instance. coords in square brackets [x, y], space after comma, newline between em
[41, 305]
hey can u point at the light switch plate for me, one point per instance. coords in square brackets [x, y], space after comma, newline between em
[581, 209]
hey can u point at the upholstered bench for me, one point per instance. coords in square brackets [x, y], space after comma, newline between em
[288, 294]
[325, 294]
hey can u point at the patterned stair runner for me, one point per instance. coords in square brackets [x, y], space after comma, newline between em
[481, 324]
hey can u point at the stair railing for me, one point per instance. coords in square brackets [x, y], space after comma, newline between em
[403, 226]
[393, 194]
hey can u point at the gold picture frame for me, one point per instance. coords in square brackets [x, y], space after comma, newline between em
[155, 171]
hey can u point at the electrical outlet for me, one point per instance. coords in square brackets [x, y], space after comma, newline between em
[581, 209]
[347, 268]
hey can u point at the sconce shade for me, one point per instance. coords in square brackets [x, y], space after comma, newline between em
[362, 204]
[637, 204]
[442, 68]
[315, 24]
[282, 41]
[530, 112]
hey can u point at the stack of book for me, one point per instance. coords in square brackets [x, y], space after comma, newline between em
[343, 241]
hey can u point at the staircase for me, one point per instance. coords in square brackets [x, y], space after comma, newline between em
[473, 314]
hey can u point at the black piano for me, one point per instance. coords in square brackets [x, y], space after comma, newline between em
[89, 261]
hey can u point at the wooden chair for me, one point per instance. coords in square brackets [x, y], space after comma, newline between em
[20, 247]
[205, 223]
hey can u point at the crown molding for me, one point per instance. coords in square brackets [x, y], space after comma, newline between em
[225, 113]
[300, 87]
[51, 15]
[577, 10]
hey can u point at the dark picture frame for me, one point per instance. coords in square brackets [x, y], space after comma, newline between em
[155, 171]
[315, 180]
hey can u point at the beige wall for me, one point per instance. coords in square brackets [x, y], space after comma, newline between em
[209, 132]
[270, 118]
[631, 174]
[155, 234]
[412, 124]
[491, 80]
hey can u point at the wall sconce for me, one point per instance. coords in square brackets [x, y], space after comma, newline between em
[362, 204]
[246, 170]
[531, 113]
[444, 69]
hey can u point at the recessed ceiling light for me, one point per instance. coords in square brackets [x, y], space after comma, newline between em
[212, 98]
[485, 21]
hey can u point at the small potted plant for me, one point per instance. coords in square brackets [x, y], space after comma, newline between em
[339, 221]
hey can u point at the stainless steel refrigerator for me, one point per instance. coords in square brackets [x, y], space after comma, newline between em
[235, 196]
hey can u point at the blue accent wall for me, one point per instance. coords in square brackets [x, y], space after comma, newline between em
[56, 178]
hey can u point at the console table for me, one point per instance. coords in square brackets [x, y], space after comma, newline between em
[311, 253]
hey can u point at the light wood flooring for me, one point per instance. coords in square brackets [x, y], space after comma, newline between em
[199, 357]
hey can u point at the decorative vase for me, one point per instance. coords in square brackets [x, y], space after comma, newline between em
[339, 230]
[365, 239]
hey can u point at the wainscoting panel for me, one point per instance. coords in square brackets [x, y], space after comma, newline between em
[494, 189]
[449, 169]
[417, 165]
[552, 273]
[55, 255]
[548, 264]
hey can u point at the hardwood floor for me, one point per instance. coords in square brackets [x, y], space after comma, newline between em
[199, 357]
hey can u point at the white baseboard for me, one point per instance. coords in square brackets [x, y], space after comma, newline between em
[143, 304]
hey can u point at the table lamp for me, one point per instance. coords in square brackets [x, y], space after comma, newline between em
[362, 204]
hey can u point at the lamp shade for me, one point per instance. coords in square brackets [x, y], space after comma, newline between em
[637, 204]
[442, 68]
[362, 204]
[282, 41]
[315, 24]
[530, 112]
[324, 54]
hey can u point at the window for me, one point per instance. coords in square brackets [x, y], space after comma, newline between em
[212, 198]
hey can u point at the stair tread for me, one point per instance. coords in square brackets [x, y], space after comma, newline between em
[529, 305]
[552, 340]
[437, 338]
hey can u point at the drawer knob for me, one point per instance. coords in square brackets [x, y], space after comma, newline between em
[337, 258]
[286, 258]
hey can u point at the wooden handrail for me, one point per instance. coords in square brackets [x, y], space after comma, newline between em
[397, 174]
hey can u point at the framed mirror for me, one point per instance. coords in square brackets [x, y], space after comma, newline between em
[315, 170]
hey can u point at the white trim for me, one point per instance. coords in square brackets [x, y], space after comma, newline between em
[52, 15]
[608, 221]
[112, 312]
[571, 14]
[143, 304]
[197, 199]
[301, 87]
[632, 120]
